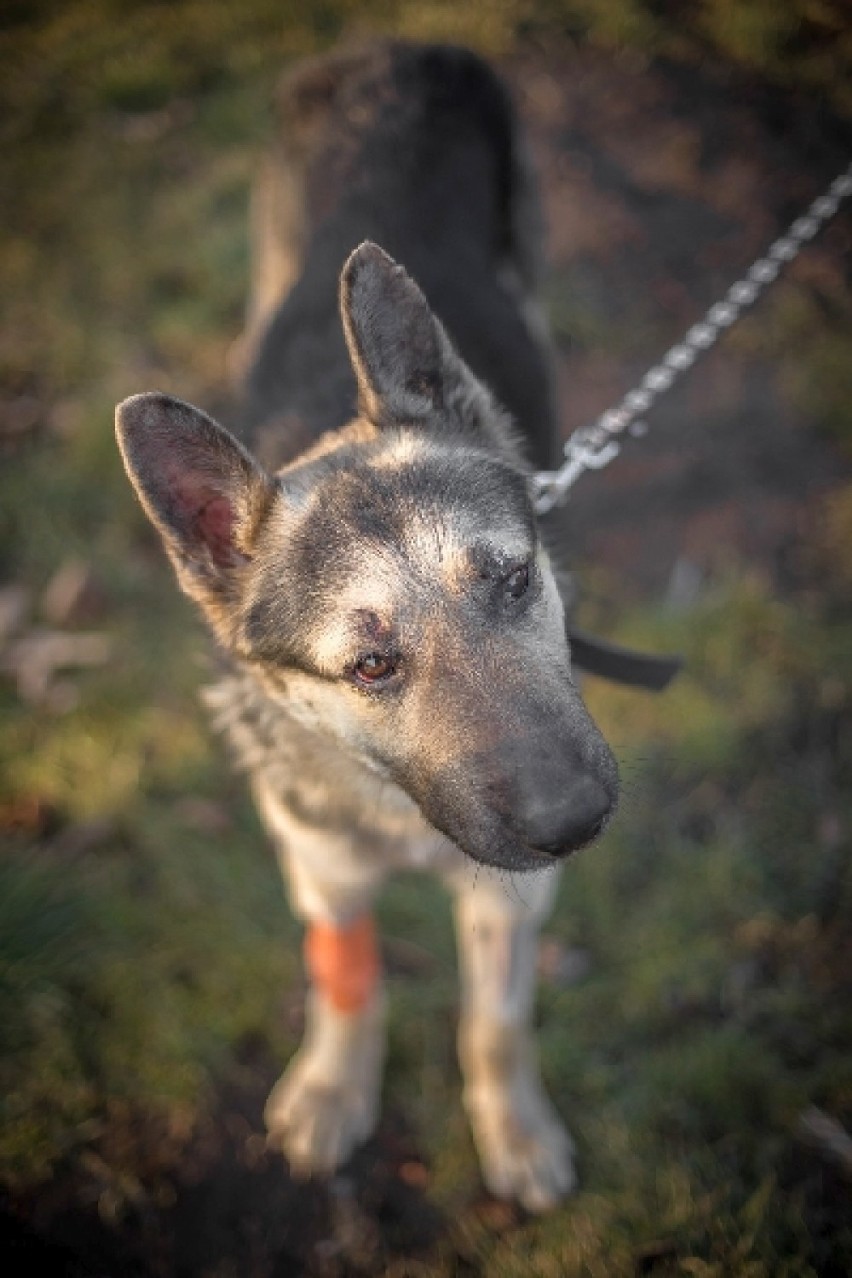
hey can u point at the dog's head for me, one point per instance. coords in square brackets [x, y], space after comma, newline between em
[390, 588]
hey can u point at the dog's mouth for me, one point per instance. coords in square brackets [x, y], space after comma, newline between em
[519, 858]
[499, 843]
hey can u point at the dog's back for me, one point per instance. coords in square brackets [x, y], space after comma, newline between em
[416, 148]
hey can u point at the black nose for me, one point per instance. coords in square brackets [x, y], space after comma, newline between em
[565, 820]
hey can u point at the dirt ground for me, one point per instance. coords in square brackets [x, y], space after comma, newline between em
[660, 185]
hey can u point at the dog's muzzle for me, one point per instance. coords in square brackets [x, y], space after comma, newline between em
[522, 806]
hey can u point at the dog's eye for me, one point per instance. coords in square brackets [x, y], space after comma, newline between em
[517, 582]
[374, 668]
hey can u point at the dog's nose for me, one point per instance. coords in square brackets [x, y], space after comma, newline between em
[568, 820]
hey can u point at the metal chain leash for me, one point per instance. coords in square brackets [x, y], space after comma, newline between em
[595, 446]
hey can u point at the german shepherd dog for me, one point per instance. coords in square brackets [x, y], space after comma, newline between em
[400, 687]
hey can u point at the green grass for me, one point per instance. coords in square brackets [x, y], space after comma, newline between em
[135, 962]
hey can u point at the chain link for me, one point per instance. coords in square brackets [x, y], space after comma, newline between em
[595, 446]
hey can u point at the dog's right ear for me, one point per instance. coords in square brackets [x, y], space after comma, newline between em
[406, 367]
[204, 493]
[395, 343]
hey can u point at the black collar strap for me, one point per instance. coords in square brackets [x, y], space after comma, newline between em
[622, 665]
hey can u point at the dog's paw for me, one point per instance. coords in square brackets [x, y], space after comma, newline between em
[317, 1126]
[524, 1150]
[326, 1103]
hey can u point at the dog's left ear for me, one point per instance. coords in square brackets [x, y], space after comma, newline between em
[404, 363]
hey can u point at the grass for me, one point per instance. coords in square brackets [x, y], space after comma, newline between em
[144, 940]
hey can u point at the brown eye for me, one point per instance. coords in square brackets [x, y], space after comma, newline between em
[517, 582]
[374, 667]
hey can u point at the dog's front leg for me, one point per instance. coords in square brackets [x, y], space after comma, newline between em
[524, 1150]
[326, 1103]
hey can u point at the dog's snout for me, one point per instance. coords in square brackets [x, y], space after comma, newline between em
[566, 820]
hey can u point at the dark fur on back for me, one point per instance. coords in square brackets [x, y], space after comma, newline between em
[416, 149]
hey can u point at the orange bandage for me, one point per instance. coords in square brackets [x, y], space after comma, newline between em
[343, 962]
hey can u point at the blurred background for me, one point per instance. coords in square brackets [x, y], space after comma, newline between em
[695, 1011]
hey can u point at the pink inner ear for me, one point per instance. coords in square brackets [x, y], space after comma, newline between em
[206, 515]
[215, 525]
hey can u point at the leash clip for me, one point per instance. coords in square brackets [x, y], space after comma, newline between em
[550, 487]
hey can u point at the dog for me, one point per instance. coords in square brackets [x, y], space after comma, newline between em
[400, 686]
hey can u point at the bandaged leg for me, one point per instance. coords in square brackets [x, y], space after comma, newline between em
[523, 1147]
[343, 962]
[326, 1102]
